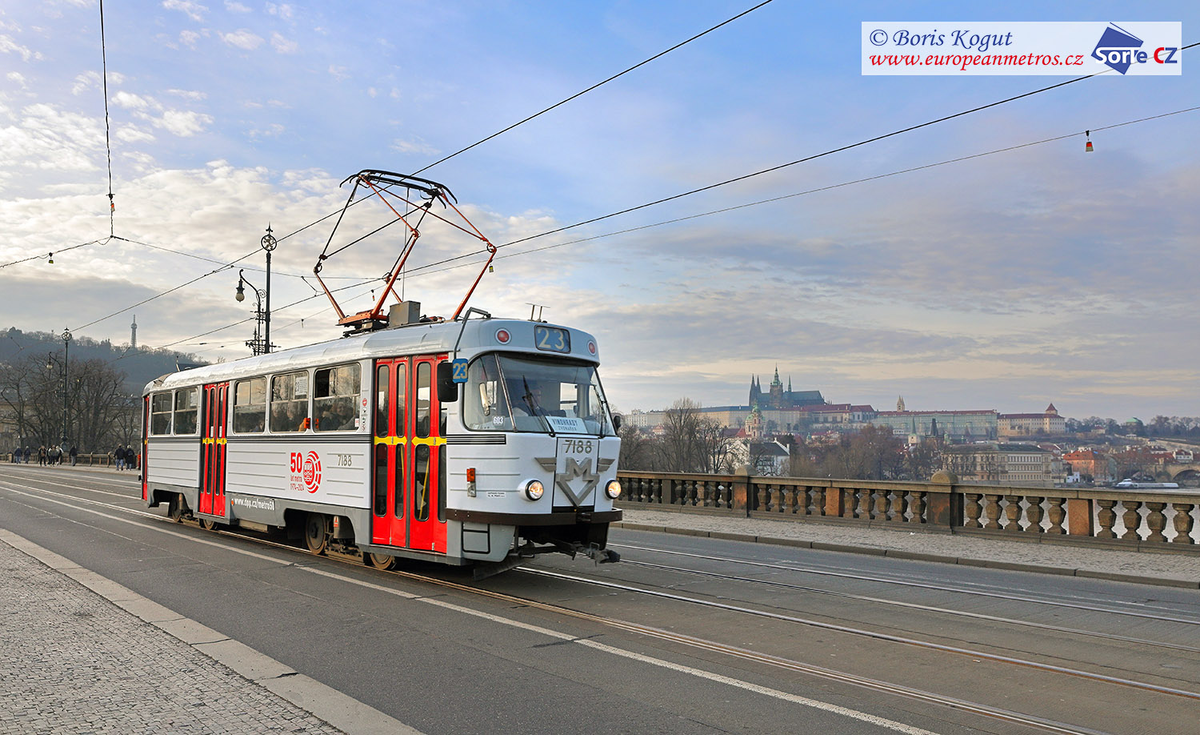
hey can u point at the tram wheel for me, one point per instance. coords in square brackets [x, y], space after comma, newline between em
[381, 561]
[175, 508]
[208, 525]
[316, 536]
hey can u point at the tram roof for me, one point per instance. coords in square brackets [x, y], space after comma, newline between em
[410, 339]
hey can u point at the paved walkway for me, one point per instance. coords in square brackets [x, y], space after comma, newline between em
[1176, 570]
[83, 654]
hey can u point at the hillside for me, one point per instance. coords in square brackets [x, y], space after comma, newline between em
[140, 366]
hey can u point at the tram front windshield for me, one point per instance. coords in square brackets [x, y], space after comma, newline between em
[511, 393]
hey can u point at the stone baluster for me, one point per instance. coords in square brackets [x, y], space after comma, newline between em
[918, 507]
[991, 511]
[1033, 514]
[1132, 519]
[973, 509]
[722, 495]
[1057, 515]
[1107, 518]
[1156, 521]
[881, 502]
[1012, 512]
[818, 502]
[762, 497]
[1183, 523]
[897, 511]
[864, 504]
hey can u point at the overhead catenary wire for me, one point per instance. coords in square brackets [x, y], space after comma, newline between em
[39, 256]
[560, 103]
[425, 269]
[709, 187]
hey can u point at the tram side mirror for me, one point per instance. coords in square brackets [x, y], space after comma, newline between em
[447, 388]
[616, 422]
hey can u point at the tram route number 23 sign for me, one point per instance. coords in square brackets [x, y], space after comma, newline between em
[305, 472]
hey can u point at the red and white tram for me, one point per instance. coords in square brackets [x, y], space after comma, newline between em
[367, 443]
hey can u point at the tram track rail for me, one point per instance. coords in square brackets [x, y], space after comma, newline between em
[857, 576]
[687, 641]
[916, 606]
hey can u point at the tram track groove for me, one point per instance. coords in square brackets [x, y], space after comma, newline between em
[693, 642]
[926, 585]
[917, 606]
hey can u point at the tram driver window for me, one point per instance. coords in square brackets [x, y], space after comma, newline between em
[289, 402]
[485, 407]
[335, 398]
[250, 406]
[160, 414]
[187, 407]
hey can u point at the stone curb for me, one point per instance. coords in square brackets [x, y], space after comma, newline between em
[324, 702]
[915, 556]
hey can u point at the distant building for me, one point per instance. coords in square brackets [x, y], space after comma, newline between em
[1003, 464]
[1100, 467]
[956, 427]
[1047, 423]
[779, 399]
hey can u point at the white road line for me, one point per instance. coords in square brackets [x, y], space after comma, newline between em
[745, 685]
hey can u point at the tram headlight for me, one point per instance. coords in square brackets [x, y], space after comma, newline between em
[612, 489]
[534, 489]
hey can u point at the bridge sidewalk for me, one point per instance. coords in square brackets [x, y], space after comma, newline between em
[1172, 570]
[85, 654]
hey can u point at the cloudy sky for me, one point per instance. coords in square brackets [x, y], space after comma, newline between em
[1006, 281]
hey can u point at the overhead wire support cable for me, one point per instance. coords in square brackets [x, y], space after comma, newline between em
[112, 206]
[425, 268]
[551, 107]
[594, 86]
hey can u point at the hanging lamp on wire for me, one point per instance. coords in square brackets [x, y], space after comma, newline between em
[1088, 148]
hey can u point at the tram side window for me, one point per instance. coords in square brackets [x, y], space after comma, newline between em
[187, 407]
[289, 402]
[423, 395]
[484, 406]
[160, 414]
[335, 398]
[250, 406]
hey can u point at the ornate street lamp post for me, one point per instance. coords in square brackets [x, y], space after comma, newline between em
[256, 345]
[268, 243]
[66, 338]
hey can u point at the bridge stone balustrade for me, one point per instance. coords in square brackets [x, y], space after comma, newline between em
[1097, 517]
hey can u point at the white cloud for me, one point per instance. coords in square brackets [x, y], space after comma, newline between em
[236, 7]
[416, 145]
[49, 138]
[271, 131]
[242, 39]
[9, 46]
[188, 94]
[133, 134]
[18, 77]
[130, 101]
[339, 72]
[192, 10]
[282, 10]
[189, 38]
[283, 45]
[85, 81]
[372, 92]
[183, 123]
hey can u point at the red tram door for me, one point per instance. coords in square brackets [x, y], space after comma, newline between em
[390, 454]
[408, 507]
[214, 406]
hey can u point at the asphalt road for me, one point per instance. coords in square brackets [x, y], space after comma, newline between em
[686, 635]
